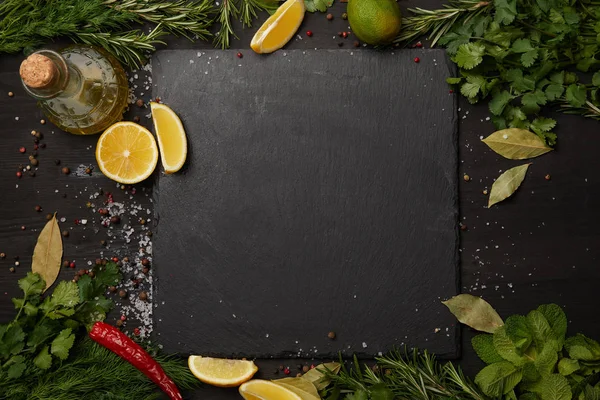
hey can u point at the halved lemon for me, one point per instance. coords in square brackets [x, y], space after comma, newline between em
[258, 389]
[126, 152]
[171, 137]
[279, 28]
[220, 371]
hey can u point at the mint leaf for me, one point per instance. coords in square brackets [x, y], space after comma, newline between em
[530, 373]
[528, 59]
[317, 5]
[17, 367]
[63, 343]
[576, 95]
[539, 327]
[32, 284]
[483, 345]
[592, 392]
[506, 11]
[554, 314]
[567, 366]
[596, 79]
[554, 91]
[498, 378]
[12, 341]
[43, 360]
[522, 46]
[518, 331]
[506, 348]
[555, 387]
[453, 81]
[469, 55]
[546, 359]
[66, 294]
[582, 348]
[499, 101]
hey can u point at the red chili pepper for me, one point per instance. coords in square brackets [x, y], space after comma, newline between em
[117, 342]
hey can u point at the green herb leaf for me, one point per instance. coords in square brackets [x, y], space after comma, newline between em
[17, 367]
[554, 91]
[592, 392]
[317, 376]
[469, 55]
[381, 392]
[42, 332]
[474, 312]
[518, 331]
[582, 348]
[43, 360]
[518, 144]
[540, 328]
[47, 253]
[506, 348]
[12, 341]
[555, 387]
[358, 395]
[317, 5]
[499, 102]
[557, 320]
[567, 366]
[522, 46]
[66, 294]
[528, 59]
[498, 378]
[506, 11]
[32, 284]
[507, 184]
[596, 79]
[576, 95]
[532, 101]
[62, 344]
[453, 81]
[483, 344]
[546, 360]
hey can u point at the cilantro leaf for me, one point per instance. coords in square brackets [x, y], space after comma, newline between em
[571, 77]
[12, 341]
[453, 40]
[596, 79]
[540, 125]
[522, 46]
[586, 63]
[516, 117]
[453, 81]
[469, 55]
[506, 11]
[532, 101]
[473, 86]
[519, 82]
[66, 294]
[528, 59]
[17, 367]
[576, 95]
[499, 102]
[43, 360]
[42, 332]
[32, 284]
[554, 91]
[558, 77]
[317, 5]
[62, 344]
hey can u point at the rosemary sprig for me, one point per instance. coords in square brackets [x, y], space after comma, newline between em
[406, 376]
[243, 10]
[436, 23]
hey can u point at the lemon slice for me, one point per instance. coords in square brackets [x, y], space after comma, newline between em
[171, 137]
[257, 389]
[279, 28]
[220, 371]
[126, 152]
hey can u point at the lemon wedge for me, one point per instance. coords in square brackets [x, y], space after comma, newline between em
[171, 137]
[279, 28]
[220, 371]
[126, 152]
[258, 389]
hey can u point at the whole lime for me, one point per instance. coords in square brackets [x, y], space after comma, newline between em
[374, 22]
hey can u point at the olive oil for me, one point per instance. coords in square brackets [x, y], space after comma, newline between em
[81, 89]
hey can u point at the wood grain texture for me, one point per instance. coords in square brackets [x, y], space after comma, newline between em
[317, 197]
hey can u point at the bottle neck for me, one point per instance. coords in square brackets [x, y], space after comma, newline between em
[65, 82]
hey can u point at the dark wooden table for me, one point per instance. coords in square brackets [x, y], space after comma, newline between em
[540, 246]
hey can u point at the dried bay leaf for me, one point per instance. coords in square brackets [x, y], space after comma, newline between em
[48, 252]
[516, 144]
[317, 377]
[302, 387]
[507, 184]
[474, 312]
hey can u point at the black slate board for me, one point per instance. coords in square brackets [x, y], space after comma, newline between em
[320, 194]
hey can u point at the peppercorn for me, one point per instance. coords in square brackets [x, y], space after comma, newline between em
[112, 289]
[81, 272]
[329, 17]
[38, 135]
[43, 145]
[103, 243]
[65, 264]
[42, 121]
[115, 219]
[98, 261]
[145, 270]
[56, 162]
[417, 60]
[23, 227]
[139, 103]
[281, 367]
[91, 274]
[466, 178]
[88, 171]
[331, 335]
[143, 296]
[66, 170]
[340, 44]
[547, 177]
[145, 262]
[126, 259]
[115, 259]
[12, 269]
[135, 282]
[10, 94]
[240, 55]
[103, 211]
[463, 227]
[32, 173]
[122, 293]
[485, 191]
[344, 16]
[119, 323]
[309, 33]
[149, 233]
[339, 33]
[19, 174]
[38, 208]
[356, 43]
[72, 264]
[17, 263]
[76, 278]
[344, 35]
[3, 255]
[142, 221]
[305, 369]
[36, 141]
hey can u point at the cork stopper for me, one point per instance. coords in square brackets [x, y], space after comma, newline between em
[38, 71]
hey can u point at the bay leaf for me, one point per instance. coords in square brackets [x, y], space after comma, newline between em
[516, 144]
[48, 252]
[475, 312]
[507, 184]
[317, 377]
[302, 387]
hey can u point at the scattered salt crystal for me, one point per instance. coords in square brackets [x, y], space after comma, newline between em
[364, 345]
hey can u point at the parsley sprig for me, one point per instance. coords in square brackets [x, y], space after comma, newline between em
[520, 56]
[45, 328]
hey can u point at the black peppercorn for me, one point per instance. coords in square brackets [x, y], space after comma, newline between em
[65, 264]
[145, 270]
[91, 274]
[122, 293]
[143, 296]
[76, 278]
[56, 162]
[119, 323]
[329, 17]
[43, 145]
[81, 272]
[115, 219]
[48, 217]
[66, 170]
[112, 289]
[305, 369]
[136, 119]
[331, 335]
[139, 103]
[65, 233]
[103, 243]
[34, 162]
[38, 208]
[88, 171]
[145, 262]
